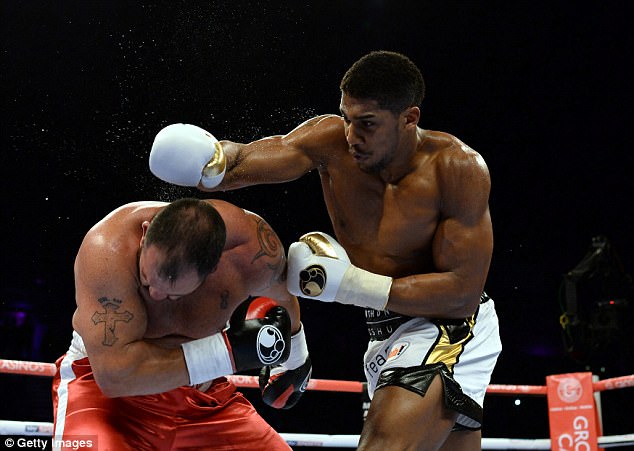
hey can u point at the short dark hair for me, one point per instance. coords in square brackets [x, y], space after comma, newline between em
[192, 234]
[389, 78]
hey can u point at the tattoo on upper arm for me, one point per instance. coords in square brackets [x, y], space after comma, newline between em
[271, 247]
[110, 317]
[269, 243]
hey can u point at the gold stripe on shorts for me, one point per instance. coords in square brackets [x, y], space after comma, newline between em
[452, 340]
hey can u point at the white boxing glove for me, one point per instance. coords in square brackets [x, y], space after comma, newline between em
[319, 268]
[187, 155]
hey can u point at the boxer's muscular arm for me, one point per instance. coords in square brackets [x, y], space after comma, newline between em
[462, 246]
[461, 249]
[278, 159]
[267, 276]
[111, 319]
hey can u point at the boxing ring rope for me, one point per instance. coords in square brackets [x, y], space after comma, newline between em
[322, 440]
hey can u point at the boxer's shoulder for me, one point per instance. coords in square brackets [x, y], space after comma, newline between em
[324, 122]
[320, 135]
[330, 128]
[118, 234]
[127, 215]
[447, 147]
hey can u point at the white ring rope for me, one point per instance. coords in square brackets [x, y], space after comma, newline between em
[334, 441]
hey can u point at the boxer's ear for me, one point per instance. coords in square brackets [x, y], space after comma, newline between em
[144, 227]
[411, 116]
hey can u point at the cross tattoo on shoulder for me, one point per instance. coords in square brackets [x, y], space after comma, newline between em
[110, 318]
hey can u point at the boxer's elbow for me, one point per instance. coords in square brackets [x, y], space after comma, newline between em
[465, 303]
[115, 380]
[112, 384]
[110, 390]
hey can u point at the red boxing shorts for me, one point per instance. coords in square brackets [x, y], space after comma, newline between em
[218, 418]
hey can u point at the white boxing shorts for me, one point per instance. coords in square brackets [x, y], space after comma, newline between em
[462, 352]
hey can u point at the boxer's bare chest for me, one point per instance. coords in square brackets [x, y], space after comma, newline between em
[386, 228]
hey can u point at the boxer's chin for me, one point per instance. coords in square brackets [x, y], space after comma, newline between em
[370, 167]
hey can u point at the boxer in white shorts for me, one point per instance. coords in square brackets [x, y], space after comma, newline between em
[409, 355]
[409, 208]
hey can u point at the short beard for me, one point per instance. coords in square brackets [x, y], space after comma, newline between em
[377, 167]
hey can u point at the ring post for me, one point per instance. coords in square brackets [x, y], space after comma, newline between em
[572, 413]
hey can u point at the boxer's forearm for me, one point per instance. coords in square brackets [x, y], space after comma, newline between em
[139, 368]
[434, 295]
[265, 161]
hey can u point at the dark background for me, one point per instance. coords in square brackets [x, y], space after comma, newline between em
[541, 89]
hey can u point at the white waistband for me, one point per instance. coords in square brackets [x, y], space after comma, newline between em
[77, 347]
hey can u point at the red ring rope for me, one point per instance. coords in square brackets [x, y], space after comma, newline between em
[48, 369]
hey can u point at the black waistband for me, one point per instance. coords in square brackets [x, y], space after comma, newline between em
[382, 324]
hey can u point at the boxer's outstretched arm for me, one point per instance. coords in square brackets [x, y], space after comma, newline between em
[190, 156]
[278, 159]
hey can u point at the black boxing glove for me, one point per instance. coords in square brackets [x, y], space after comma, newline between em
[282, 385]
[259, 334]
[259, 337]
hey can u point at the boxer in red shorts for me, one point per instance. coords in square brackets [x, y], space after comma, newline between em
[161, 318]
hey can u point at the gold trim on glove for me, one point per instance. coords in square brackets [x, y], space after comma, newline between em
[319, 245]
[217, 164]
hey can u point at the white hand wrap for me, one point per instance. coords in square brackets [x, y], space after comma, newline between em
[207, 359]
[299, 351]
[364, 288]
[319, 268]
[187, 155]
